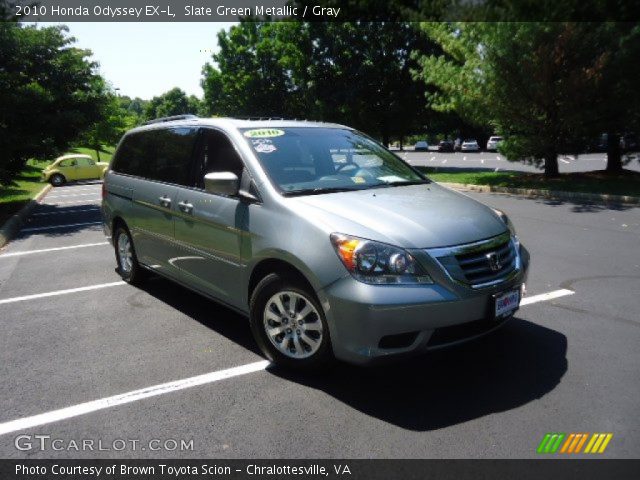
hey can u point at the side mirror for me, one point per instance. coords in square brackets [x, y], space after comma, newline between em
[221, 183]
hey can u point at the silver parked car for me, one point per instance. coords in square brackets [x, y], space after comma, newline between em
[470, 145]
[331, 245]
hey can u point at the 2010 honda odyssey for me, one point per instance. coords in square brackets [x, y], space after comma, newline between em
[330, 244]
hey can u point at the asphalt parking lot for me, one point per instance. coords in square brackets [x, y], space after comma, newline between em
[495, 162]
[85, 356]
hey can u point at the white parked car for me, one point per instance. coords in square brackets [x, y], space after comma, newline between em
[421, 146]
[470, 146]
[492, 144]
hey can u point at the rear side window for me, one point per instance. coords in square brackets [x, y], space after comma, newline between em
[163, 155]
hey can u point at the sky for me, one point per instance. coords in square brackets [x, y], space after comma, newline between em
[147, 59]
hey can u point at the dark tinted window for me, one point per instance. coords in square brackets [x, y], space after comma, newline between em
[130, 157]
[163, 155]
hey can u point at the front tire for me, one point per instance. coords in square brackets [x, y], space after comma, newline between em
[128, 266]
[288, 324]
[57, 180]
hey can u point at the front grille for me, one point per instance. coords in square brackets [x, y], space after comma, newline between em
[482, 263]
[488, 265]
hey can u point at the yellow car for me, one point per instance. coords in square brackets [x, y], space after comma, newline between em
[73, 167]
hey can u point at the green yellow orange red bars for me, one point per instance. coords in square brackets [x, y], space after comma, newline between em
[573, 443]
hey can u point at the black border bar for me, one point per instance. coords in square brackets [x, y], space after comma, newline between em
[549, 468]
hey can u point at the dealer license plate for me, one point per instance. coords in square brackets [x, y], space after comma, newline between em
[507, 303]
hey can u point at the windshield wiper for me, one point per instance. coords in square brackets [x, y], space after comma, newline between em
[317, 191]
[402, 184]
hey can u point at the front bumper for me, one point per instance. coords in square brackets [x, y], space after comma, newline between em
[373, 322]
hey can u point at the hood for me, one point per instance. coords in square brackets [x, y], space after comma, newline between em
[415, 216]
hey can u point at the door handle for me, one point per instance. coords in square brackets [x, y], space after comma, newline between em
[186, 207]
[165, 201]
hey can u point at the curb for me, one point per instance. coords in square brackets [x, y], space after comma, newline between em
[12, 226]
[554, 194]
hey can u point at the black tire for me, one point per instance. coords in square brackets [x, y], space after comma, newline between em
[266, 289]
[130, 271]
[57, 180]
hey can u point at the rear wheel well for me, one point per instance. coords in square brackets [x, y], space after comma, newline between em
[266, 267]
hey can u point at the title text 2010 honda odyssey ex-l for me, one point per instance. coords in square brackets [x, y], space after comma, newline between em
[330, 244]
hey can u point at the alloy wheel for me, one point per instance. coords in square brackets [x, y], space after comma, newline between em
[293, 324]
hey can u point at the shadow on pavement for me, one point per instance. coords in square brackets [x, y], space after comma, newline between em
[515, 365]
[576, 206]
[587, 207]
[53, 220]
[212, 315]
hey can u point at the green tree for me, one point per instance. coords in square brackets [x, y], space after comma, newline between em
[361, 75]
[615, 103]
[358, 74]
[259, 71]
[49, 94]
[531, 81]
[133, 107]
[114, 121]
[173, 102]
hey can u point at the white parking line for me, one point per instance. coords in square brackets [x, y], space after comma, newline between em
[56, 249]
[129, 397]
[77, 188]
[55, 293]
[482, 160]
[54, 227]
[444, 161]
[77, 210]
[432, 159]
[464, 158]
[498, 157]
[86, 201]
[563, 160]
[72, 195]
[543, 297]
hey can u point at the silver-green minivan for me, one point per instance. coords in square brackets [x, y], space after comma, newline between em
[331, 245]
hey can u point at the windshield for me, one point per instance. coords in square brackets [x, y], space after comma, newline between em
[305, 160]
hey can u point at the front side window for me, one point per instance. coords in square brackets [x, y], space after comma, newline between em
[216, 154]
[306, 160]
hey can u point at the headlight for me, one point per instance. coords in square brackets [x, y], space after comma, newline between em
[503, 216]
[378, 263]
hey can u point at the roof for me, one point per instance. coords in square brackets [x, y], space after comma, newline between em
[225, 122]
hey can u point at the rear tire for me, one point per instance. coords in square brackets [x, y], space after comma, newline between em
[288, 324]
[57, 180]
[128, 267]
